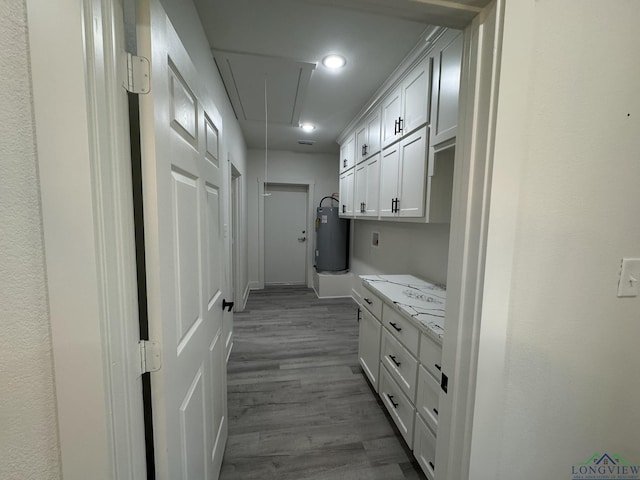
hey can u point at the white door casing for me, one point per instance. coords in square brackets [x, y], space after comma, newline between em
[184, 247]
[285, 224]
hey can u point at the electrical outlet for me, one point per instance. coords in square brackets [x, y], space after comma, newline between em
[629, 285]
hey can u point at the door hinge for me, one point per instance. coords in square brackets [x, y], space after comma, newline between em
[138, 79]
[150, 356]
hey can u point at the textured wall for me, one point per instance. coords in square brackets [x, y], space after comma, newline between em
[572, 358]
[417, 249]
[285, 167]
[28, 429]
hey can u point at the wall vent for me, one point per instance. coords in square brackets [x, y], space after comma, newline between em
[306, 142]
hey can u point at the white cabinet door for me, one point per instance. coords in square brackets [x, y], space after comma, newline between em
[360, 196]
[391, 112]
[183, 185]
[361, 142]
[389, 168]
[424, 448]
[346, 193]
[446, 87]
[413, 160]
[347, 152]
[372, 124]
[415, 97]
[369, 330]
[372, 186]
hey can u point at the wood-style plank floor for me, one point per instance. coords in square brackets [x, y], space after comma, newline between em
[299, 405]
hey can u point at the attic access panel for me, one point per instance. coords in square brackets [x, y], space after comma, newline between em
[243, 75]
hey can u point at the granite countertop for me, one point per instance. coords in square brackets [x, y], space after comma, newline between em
[416, 299]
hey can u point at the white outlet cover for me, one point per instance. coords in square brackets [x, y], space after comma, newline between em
[629, 285]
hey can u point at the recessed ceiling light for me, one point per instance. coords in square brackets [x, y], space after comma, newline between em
[334, 61]
[307, 127]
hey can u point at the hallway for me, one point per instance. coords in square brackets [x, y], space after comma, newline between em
[299, 406]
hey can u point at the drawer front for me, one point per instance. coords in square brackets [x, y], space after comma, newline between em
[424, 448]
[401, 328]
[398, 405]
[402, 366]
[372, 303]
[431, 356]
[428, 398]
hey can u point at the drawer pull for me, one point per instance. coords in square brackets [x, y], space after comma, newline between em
[393, 359]
[367, 300]
[390, 397]
[438, 367]
[395, 326]
[435, 410]
[433, 467]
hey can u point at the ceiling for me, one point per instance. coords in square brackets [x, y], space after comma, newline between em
[284, 41]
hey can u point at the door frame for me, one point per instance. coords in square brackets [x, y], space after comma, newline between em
[87, 210]
[310, 216]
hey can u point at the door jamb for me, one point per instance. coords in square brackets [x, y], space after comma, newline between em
[85, 186]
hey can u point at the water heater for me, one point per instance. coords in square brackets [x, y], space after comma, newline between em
[332, 240]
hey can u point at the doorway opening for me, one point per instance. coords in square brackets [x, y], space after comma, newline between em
[286, 234]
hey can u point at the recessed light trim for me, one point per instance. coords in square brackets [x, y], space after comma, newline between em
[307, 127]
[334, 61]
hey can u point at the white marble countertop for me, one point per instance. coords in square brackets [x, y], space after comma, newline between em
[416, 299]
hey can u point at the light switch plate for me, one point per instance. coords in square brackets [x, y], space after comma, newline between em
[629, 285]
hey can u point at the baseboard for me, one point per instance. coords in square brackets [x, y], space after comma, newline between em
[245, 296]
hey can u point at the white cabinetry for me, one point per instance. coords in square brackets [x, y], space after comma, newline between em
[412, 126]
[446, 86]
[407, 378]
[347, 154]
[366, 189]
[369, 329]
[368, 136]
[406, 107]
[403, 177]
[346, 193]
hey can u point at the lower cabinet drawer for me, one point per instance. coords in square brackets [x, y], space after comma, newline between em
[372, 303]
[428, 398]
[402, 366]
[424, 448]
[400, 408]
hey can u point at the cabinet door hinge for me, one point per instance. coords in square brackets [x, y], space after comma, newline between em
[138, 74]
[150, 356]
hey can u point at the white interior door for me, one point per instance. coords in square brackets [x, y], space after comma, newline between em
[182, 182]
[285, 234]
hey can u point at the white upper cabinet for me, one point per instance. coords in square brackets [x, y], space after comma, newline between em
[446, 87]
[347, 180]
[391, 110]
[389, 168]
[367, 180]
[415, 97]
[406, 108]
[368, 136]
[403, 148]
[403, 177]
[347, 154]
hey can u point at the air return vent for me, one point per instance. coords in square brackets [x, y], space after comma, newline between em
[306, 142]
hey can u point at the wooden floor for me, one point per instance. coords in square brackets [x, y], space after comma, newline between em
[299, 405]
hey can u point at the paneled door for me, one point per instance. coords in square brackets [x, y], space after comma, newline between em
[285, 234]
[182, 185]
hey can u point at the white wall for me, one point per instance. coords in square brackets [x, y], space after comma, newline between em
[28, 439]
[416, 249]
[285, 167]
[185, 20]
[569, 117]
